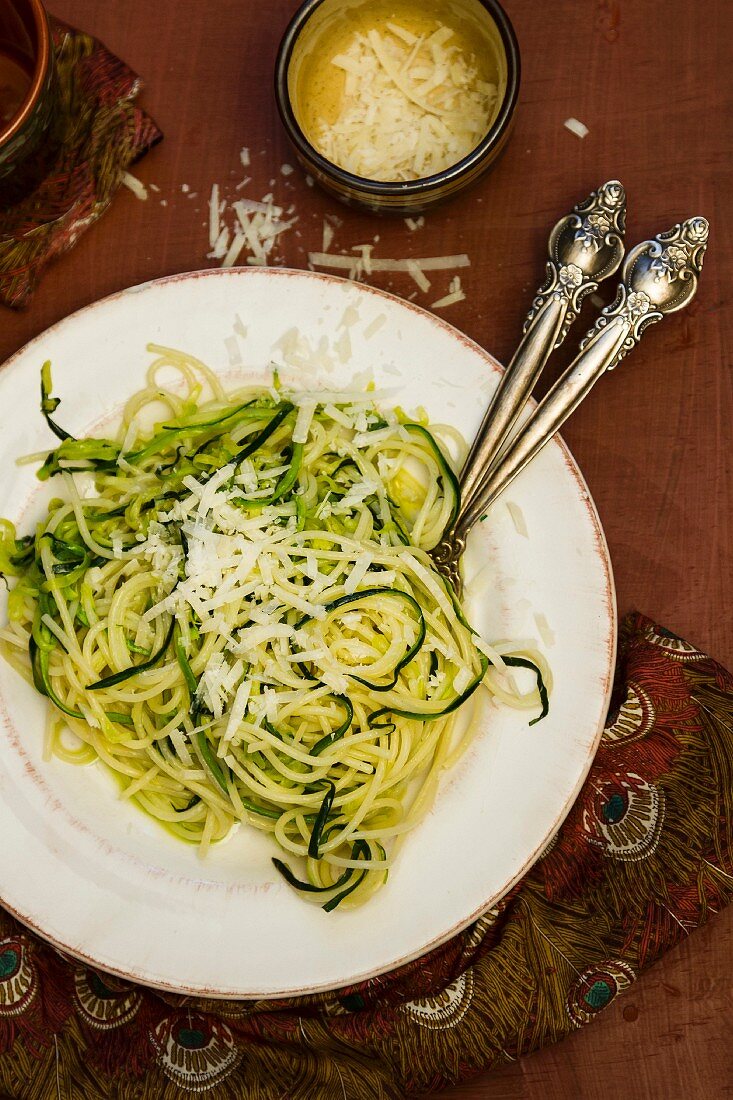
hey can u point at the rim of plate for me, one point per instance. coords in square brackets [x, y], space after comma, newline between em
[588, 503]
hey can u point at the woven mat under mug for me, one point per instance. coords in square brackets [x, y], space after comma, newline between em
[98, 132]
[645, 857]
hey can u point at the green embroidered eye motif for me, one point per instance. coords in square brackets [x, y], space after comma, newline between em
[614, 809]
[9, 961]
[98, 987]
[191, 1038]
[599, 994]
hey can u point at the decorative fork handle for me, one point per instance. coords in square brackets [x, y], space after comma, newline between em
[603, 352]
[659, 277]
[584, 247]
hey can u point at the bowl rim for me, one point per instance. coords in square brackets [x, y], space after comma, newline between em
[40, 71]
[402, 188]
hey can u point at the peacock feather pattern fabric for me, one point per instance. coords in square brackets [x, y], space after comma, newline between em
[644, 857]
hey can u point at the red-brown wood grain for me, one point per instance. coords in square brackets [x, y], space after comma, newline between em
[652, 81]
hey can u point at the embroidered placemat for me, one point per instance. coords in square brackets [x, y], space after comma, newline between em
[98, 132]
[645, 857]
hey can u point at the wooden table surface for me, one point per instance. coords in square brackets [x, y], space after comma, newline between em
[652, 82]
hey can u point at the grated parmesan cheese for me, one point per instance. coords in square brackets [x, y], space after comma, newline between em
[231, 343]
[517, 517]
[462, 679]
[350, 317]
[426, 263]
[179, 744]
[374, 326]
[417, 274]
[576, 127]
[214, 212]
[342, 347]
[455, 294]
[303, 420]
[338, 415]
[221, 245]
[256, 229]
[359, 570]
[411, 105]
[130, 437]
[135, 185]
[234, 251]
[544, 629]
[236, 715]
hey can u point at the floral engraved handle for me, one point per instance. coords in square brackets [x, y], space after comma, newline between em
[659, 277]
[630, 310]
[584, 248]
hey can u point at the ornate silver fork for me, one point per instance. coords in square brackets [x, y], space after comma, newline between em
[659, 277]
[584, 248]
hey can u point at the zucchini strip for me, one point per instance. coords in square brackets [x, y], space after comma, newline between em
[49, 404]
[216, 767]
[314, 845]
[524, 662]
[120, 677]
[335, 735]
[450, 481]
[350, 879]
[263, 435]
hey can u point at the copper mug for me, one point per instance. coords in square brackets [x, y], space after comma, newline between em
[27, 96]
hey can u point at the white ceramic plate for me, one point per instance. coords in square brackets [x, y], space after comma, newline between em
[95, 876]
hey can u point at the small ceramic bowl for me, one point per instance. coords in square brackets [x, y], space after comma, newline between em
[491, 30]
[25, 38]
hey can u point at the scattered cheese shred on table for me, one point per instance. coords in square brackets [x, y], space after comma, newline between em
[417, 274]
[327, 236]
[234, 250]
[255, 227]
[576, 127]
[411, 106]
[425, 263]
[366, 256]
[135, 185]
[221, 245]
[455, 294]
[214, 213]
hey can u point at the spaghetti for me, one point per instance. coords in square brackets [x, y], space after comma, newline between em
[234, 609]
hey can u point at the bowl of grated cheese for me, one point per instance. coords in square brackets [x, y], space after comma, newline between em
[396, 105]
